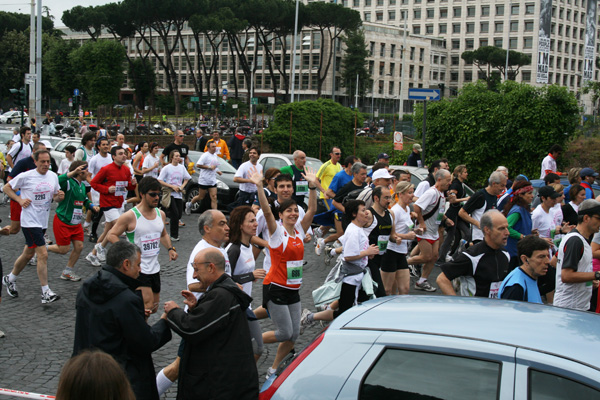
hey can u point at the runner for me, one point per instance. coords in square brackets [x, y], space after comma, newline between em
[326, 174]
[222, 149]
[112, 182]
[144, 225]
[69, 213]
[38, 188]
[95, 164]
[207, 179]
[174, 177]
[248, 189]
[69, 158]
[85, 152]
[138, 160]
[151, 166]
[461, 229]
[21, 149]
[178, 145]
[281, 285]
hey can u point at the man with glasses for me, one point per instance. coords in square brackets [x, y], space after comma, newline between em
[178, 145]
[325, 175]
[145, 227]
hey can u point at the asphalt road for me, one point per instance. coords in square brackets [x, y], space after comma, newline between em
[39, 338]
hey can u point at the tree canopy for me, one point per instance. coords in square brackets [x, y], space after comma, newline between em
[487, 58]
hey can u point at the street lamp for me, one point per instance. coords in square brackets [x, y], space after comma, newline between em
[294, 53]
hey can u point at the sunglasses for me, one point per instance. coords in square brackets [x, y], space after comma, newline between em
[337, 154]
[153, 194]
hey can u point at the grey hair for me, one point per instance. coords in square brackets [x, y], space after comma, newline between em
[356, 167]
[37, 154]
[497, 177]
[486, 220]
[247, 143]
[296, 154]
[441, 174]
[217, 258]
[121, 251]
[205, 219]
[502, 169]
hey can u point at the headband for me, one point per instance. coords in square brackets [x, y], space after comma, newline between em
[525, 189]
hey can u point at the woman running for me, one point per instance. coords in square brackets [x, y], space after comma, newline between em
[138, 160]
[151, 165]
[518, 214]
[175, 176]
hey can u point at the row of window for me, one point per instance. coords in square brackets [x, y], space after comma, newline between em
[457, 12]
[526, 76]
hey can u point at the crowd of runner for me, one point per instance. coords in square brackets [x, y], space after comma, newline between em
[370, 225]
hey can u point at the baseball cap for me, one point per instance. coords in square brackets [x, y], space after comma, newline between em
[417, 147]
[587, 171]
[47, 144]
[382, 174]
[383, 155]
[589, 207]
[548, 191]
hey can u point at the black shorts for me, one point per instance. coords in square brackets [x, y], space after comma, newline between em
[206, 187]
[393, 261]
[279, 295]
[150, 280]
[34, 237]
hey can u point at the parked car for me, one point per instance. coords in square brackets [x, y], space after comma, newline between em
[226, 188]
[442, 347]
[5, 136]
[58, 152]
[278, 160]
[12, 116]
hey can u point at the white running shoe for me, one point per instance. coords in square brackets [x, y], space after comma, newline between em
[33, 260]
[100, 252]
[93, 260]
[188, 208]
[49, 296]
[320, 246]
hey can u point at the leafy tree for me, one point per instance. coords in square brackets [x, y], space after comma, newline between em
[14, 47]
[143, 77]
[20, 22]
[101, 70]
[84, 19]
[58, 73]
[487, 58]
[338, 124]
[355, 63]
[513, 126]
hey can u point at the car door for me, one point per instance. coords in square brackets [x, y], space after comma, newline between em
[542, 376]
[414, 366]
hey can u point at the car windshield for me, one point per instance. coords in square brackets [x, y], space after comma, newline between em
[5, 136]
[314, 164]
[224, 166]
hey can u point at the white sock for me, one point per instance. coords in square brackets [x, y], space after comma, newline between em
[67, 270]
[272, 370]
[12, 278]
[332, 253]
[421, 280]
[45, 289]
[162, 382]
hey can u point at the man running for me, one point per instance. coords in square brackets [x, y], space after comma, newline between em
[144, 225]
[222, 149]
[178, 145]
[325, 175]
[22, 149]
[95, 164]
[207, 179]
[295, 171]
[39, 187]
[247, 191]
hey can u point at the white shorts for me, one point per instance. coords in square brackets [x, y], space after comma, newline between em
[95, 197]
[113, 214]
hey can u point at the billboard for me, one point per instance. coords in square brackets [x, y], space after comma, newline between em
[590, 40]
[543, 56]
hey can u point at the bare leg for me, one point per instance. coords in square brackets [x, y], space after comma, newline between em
[103, 239]
[213, 197]
[77, 248]
[148, 298]
[261, 313]
[22, 261]
[42, 264]
[388, 279]
[326, 315]
[200, 196]
[15, 227]
[402, 281]
[338, 232]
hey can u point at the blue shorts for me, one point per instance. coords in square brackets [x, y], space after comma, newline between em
[34, 237]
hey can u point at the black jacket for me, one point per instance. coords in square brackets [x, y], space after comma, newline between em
[110, 317]
[236, 151]
[218, 361]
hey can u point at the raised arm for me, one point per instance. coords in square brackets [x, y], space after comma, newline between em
[256, 177]
[311, 177]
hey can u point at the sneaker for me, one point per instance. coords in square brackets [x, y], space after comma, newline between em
[188, 208]
[69, 276]
[415, 270]
[449, 258]
[328, 256]
[426, 286]
[100, 252]
[322, 307]
[174, 239]
[1, 334]
[33, 260]
[49, 296]
[93, 238]
[47, 239]
[93, 260]
[304, 321]
[320, 246]
[11, 287]
[318, 234]
[270, 372]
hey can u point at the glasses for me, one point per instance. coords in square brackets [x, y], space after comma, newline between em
[153, 194]
[200, 263]
[337, 154]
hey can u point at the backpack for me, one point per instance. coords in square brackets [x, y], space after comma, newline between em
[18, 151]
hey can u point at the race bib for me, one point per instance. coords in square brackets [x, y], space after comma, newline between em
[382, 242]
[150, 244]
[494, 288]
[301, 188]
[77, 213]
[41, 199]
[441, 211]
[121, 188]
[294, 272]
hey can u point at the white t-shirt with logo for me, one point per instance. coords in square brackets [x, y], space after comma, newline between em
[39, 189]
[542, 221]
[402, 225]
[24, 152]
[244, 172]
[149, 162]
[354, 241]
[174, 175]
[208, 177]
[427, 202]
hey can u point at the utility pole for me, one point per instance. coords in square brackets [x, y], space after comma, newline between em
[294, 49]
[38, 61]
[403, 77]
[31, 108]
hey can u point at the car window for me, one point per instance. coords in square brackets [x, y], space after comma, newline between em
[314, 164]
[224, 166]
[273, 162]
[61, 146]
[415, 180]
[545, 386]
[403, 374]
[5, 137]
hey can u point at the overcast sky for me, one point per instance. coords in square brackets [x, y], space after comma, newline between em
[57, 7]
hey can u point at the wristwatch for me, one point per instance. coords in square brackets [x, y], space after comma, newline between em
[171, 248]
[597, 276]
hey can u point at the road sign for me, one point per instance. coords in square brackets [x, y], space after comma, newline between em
[30, 79]
[398, 141]
[234, 106]
[224, 92]
[76, 92]
[271, 100]
[225, 97]
[423, 94]
[254, 101]
[195, 99]
[70, 102]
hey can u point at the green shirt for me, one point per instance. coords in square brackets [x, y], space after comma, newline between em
[70, 210]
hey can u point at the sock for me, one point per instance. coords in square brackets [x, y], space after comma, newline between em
[162, 383]
[311, 318]
[86, 224]
[45, 289]
[332, 253]
[329, 307]
[271, 370]
[12, 278]
[421, 280]
[67, 270]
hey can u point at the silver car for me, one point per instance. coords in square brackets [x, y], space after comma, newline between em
[441, 347]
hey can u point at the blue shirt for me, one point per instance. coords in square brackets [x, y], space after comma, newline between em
[531, 293]
[339, 180]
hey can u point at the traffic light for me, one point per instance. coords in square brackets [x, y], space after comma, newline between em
[19, 96]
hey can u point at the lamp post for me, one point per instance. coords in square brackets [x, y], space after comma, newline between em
[294, 53]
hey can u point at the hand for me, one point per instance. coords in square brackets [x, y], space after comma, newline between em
[60, 196]
[449, 222]
[308, 238]
[256, 177]
[258, 273]
[112, 189]
[219, 172]
[189, 299]
[372, 250]
[133, 180]
[147, 312]
[535, 232]
[310, 175]
[170, 305]
[173, 255]
[411, 235]
[163, 316]
[24, 203]
[213, 167]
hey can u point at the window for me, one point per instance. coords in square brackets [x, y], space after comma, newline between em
[470, 11]
[371, 49]
[382, 50]
[453, 78]
[469, 44]
[545, 385]
[567, 30]
[356, 3]
[405, 374]
[412, 53]
[499, 27]
[514, 26]
[561, 13]
[381, 68]
[367, 16]
[485, 11]
[455, 60]
[456, 28]
[392, 2]
[470, 27]
[499, 9]
[392, 69]
[526, 76]
[514, 9]
[379, 2]
[421, 54]
[391, 88]
[393, 51]
[528, 26]
[379, 16]
[430, 12]
[417, 14]
[442, 28]
[568, 15]
[411, 72]
[443, 13]
[484, 27]
[527, 42]
[498, 42]
[513, 43]
[391, 15]
[367, 3]
[417, 29]
[456, 12]
[484, 42]
[455, 44]
[421, 69]
[468, 76]
[429, 29]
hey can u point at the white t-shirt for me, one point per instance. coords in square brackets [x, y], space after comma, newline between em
[548, 163]
[542, 221]
[16, 138]
[208, 177]
[245, 264]
[174, 175]
[39, 189]
[25, 151]
[422, 188]
[427, 202]
[149, 162]
[355, 241]
[402, 225]
[244, 172]
[189, 274]
[64, 166]
[94, 166]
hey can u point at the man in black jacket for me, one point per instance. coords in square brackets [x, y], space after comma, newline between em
[110, 317]
[218, 361]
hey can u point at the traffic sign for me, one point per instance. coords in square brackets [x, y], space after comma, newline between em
[423, 94]
[195, 99]
[224, 97]
[254, 101]
[224, 92]
[398, 141]
[76, 92]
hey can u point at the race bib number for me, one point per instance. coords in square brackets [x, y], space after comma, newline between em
[121, 188]
[301, 188]
[441, 211]
[150, 244]
[77, 213]
[294, 272]
[41, 199]
[494, 288]
[382, 243]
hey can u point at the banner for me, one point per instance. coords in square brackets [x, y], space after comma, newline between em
[590, 41]
[543, 56]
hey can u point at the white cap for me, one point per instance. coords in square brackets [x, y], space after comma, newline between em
[47, 144]
[382, 174]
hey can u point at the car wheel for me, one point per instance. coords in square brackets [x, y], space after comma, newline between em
[9, 121]
[191, 193]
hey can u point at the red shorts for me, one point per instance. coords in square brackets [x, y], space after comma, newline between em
[430, 241]
[65, 233]
[15, 211]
